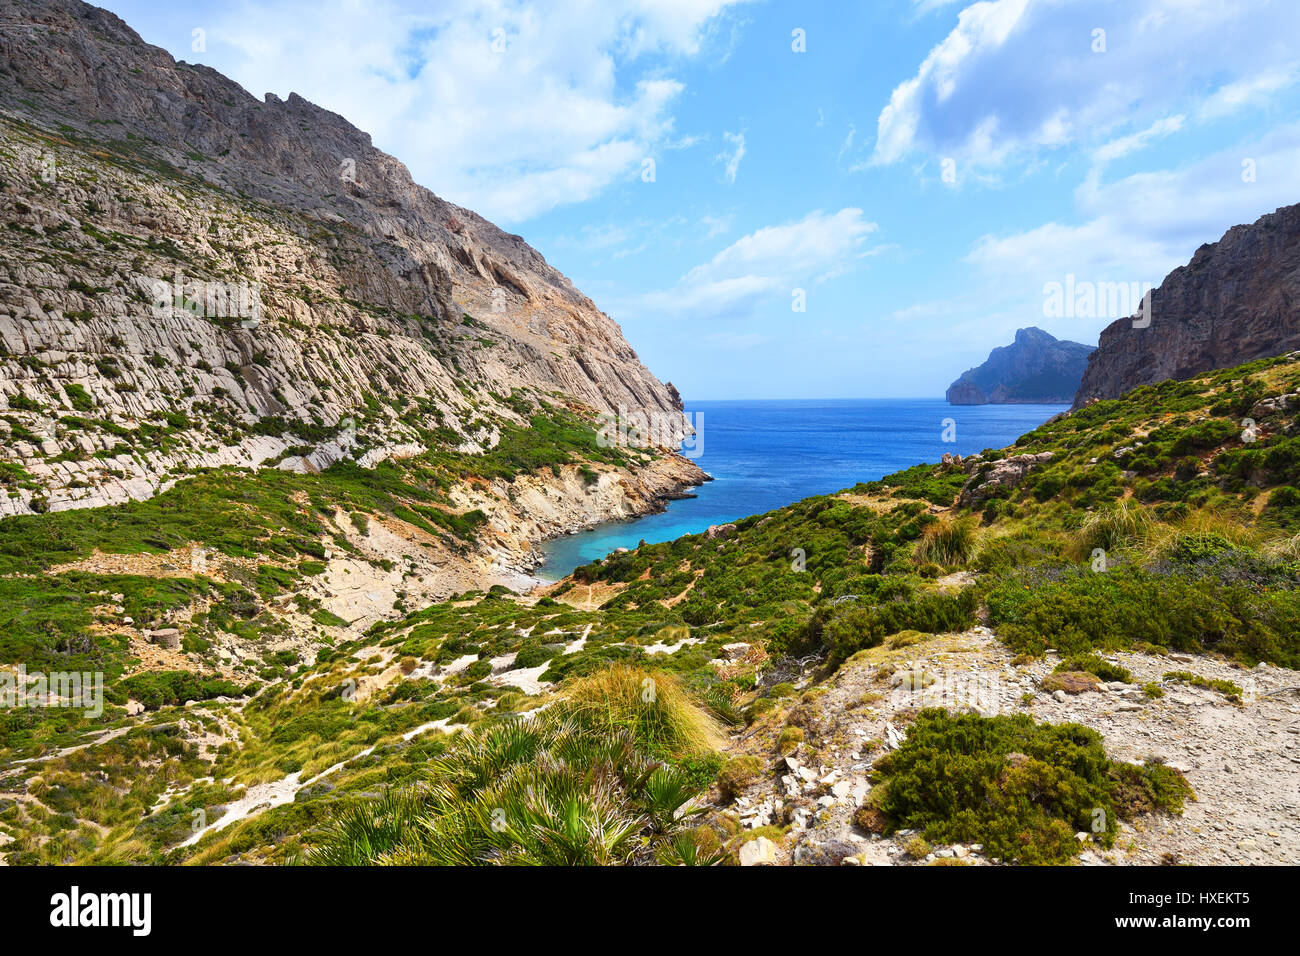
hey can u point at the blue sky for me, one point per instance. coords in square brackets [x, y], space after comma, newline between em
[915, 175]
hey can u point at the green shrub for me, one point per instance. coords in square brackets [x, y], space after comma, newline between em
[1092, 664]
[156, 688]
[789, 738]
[849, 627]
[78, 397]
[1020, 788]
[1077, 611]
[1225, 687]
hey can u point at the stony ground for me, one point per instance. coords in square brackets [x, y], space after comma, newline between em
[1242, 760]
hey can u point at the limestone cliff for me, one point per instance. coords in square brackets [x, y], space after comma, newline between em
[1237, 300]
[190, 276]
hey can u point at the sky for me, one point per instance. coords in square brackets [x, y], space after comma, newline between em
[807, 199]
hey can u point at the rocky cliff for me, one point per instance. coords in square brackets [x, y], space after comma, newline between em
[190, 276]
[1035, 368]
[1237, 300]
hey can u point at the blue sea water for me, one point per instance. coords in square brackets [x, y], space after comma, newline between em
[766, 454]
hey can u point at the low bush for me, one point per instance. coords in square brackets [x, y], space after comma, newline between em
[1078, 611]
[1092, 664]
[1020, 788]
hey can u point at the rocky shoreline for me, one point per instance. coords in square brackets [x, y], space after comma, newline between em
[537, 508]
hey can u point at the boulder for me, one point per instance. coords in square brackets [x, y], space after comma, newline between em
[759, 851]
[167, 637]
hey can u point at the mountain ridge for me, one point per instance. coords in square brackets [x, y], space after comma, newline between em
[1036, 368]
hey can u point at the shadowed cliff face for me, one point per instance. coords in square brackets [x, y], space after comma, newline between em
[1035, 368]
[1237, 300]
[381, 311]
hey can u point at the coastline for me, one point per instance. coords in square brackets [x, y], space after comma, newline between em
[539, 508]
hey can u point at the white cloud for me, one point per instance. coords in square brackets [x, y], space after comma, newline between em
[731, 158]
[1016, 77]
[1139, 227]
[765, 267]
[848, 141]
[1232, 97]
[1121, 147]
[508, 107]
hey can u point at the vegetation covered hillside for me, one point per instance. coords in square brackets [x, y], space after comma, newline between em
[642, 709]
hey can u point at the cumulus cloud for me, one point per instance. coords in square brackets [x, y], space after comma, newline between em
[511, 108]
[1016, 77]
[765, 267]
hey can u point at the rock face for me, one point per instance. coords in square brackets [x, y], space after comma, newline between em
[1237, 300]
[193, 277]
[1035, 368]
[989, 478]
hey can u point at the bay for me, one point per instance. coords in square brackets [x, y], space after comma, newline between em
[767, 454]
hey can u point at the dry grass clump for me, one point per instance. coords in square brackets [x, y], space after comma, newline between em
[652, 706]
[947, 543]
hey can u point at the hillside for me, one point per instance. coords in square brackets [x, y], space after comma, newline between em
[1236, 301]
[1123, 584]
[233, 329]
[204, 278]
[1036, 368]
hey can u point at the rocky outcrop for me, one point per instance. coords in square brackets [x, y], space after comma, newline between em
[533, 508]
[1237, 300]
[192, 277]
[1037, 368]
[1240, 766]
[989, 478]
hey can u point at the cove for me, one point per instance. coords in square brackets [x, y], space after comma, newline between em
[767, 454]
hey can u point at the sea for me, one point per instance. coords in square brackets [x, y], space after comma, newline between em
[766, 454]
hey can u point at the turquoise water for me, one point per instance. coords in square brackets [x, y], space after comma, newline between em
[766, 454]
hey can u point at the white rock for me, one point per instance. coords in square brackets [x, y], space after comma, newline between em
[759, 851]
